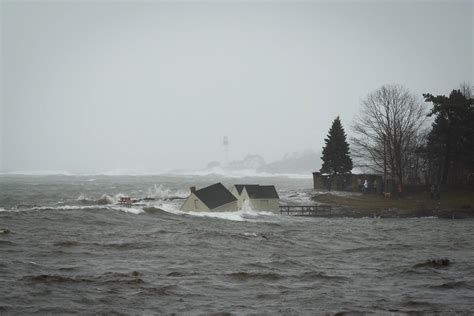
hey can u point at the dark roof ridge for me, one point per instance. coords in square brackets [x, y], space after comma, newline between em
[240, 187]
[262, 192]
[215, 195]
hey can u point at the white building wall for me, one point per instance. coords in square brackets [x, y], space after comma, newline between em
[193, 203]
[272, 205]
[259, 204]
[234, 191]
[229, 207]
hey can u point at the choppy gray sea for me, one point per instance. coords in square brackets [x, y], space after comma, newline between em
[66, 248]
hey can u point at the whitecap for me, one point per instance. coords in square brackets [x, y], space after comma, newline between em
[242, 173]
[39, 173]
[128, 209]
[239, 216]
[163, 193]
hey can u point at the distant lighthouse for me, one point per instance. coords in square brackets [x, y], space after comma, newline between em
[225, 145]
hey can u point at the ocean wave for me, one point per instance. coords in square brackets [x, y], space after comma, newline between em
[246, 276]
[163, 193]
[107, 202]
[166, 290]
[454, 285]
[103, 200]
[153, 210]
[123, 245]
[218, 171]
[313, 275]
[118, 172]
[298, 197]
[243, 173]
[81, 207]
[66, 243]
[240, 216]
[133, 277]
[107, 199]
[38, 173]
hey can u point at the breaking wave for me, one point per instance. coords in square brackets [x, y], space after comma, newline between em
[240, 216]
[38, 173]
[105, 199]
[85, 207]
[163, 193]
[243, 173]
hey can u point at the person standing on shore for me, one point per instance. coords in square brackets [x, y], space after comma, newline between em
[366, 186]
[399, 190]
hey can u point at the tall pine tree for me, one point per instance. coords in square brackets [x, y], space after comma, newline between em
[336, 159]
[452, 136]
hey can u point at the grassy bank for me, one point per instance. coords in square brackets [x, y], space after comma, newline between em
[457, 204]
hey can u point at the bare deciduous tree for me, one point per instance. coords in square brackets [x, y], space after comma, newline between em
[388, 130]
[466, 90]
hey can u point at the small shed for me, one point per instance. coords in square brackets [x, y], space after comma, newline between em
[215, 197]
[258, 197]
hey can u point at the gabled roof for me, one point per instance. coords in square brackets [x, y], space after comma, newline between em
[215, 195]
[268, 192]
[256, 191]
[240, 187]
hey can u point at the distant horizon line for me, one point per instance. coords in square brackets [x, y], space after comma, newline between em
[197, 173]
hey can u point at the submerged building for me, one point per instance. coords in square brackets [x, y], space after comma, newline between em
[215, 197]
[218, 198]
[257, 197]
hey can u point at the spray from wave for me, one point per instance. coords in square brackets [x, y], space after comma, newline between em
[133, 210]
[241, 173]
[239, 216]
[105, 199]
[163, 193]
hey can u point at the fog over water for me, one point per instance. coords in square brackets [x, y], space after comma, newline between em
[138, 87]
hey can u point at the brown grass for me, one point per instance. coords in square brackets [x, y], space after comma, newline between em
[459, 200]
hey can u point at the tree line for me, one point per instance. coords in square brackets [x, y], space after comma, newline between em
[391, 137]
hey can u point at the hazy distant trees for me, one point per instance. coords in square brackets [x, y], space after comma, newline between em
[389, 131]
[449, 150]
[336, 157]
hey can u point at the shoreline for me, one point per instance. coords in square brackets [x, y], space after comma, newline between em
[456, 205]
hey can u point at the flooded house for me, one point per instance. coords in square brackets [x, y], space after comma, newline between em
[257, 197]
[215, 197]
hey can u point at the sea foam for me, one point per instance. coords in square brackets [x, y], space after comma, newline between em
[163, 193]
[242, 173]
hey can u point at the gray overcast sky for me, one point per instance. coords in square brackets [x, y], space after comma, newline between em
[91, 86]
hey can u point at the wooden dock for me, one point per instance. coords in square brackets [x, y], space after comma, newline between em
[305, 210]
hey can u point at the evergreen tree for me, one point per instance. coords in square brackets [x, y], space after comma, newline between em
[336, 159]
[450, 142]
